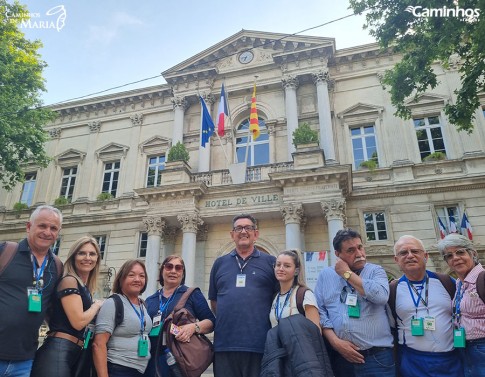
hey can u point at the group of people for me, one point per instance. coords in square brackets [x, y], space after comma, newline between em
[268, 322]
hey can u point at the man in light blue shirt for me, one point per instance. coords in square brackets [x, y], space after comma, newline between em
[352, 298]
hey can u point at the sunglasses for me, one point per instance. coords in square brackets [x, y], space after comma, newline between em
[171, 266]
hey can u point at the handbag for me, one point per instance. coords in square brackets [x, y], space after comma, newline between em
[84, 366]
[193, 357]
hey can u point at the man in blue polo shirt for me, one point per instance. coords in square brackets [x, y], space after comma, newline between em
[241, 289]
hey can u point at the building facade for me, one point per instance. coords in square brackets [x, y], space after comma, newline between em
[118, 144]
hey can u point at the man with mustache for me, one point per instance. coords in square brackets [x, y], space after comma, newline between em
[420, 302]
[352, 298]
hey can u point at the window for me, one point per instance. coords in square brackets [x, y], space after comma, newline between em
[258, 153]
[111, 176]
[28, 188]
[430, 137]
[101, 239]
[142, 246]
[68, 182]
[155, 167]
[450, 218]
[56, 247]
[375, 226]
[363, 144]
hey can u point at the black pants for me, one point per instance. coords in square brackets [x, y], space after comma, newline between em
[56, 357]
[237, 364]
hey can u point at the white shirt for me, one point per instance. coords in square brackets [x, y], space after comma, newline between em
[290, 307]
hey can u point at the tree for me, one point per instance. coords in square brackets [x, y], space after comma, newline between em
[22, 118]
[426, 32]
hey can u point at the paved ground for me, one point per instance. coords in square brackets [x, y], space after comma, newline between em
[208, 372]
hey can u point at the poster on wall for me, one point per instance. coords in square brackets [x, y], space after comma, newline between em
[315, 261]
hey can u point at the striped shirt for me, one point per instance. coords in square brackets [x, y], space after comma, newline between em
[372, 328]
[472, 307]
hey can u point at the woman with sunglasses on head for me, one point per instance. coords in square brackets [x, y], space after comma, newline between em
[468, 308]
[162, 303]
[73, 310]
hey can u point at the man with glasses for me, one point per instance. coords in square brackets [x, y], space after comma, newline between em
[352, 298]
[241, 290]
[420, 303]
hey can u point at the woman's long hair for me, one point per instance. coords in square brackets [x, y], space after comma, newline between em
[70, 265]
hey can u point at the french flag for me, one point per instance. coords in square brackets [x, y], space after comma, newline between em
[442, 228]
[453, 227]
[465, 224]
[222, 111]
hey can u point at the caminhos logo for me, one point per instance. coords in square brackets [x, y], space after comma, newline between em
[419, 11]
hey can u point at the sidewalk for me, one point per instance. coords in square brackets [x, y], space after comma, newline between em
[208, 372]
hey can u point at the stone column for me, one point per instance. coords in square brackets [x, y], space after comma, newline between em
[292, 215]
[179, 106]
[205, 152]
[154, 225]
[272, 142]
[321, 80]
[290, 83]
[190, 222]
[334, 210]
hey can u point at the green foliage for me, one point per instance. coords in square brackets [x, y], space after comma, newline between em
[20, 206]
[22, 136]
[371, 163]
[435, 156]
[424, 41]
[104, 196]
[178, 152]
[304, 135]
[61, 201]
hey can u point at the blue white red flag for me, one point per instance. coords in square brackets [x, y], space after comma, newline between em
[442, 228]
[453, 227]
[466, 227]
[222, 112]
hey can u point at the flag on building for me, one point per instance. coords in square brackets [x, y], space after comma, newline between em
[253, 117]
[466, 227]
[453, 227]
[442, 228]
[207, 124]
[222, 111]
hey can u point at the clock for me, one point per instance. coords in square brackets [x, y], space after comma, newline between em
[246, 57]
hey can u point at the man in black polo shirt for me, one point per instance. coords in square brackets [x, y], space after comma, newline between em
[26, 286]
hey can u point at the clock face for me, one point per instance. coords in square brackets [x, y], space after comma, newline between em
[246, 57]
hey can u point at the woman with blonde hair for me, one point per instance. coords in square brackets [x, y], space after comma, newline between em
[73, 310]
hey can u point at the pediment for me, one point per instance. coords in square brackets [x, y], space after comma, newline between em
[155, 145]
[265, 45]
[70, 157]
[425, 99]
[112, 151]
[361, 110]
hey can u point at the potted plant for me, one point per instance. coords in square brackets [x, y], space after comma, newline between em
[435, 156]
[104, 196]
[19, 206]
[304, 135]
[61, 201]
[371, 163]
[178, 152]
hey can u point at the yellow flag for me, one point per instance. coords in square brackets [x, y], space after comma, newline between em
[253, 117]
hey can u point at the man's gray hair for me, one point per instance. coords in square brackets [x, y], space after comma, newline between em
[41, 208]
[408, 237]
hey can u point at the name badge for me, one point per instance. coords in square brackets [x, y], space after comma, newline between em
[353, 311]
[143, 346]
[156, 320]
[351, 299]
[459, 338]
[35, 300]
[417, 327]
[429, 323]
[240, 280]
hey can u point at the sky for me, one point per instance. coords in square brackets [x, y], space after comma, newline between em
[104, 44]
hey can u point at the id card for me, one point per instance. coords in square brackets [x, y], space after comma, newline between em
[156, 320]
[87, 337]
[417, 327]
[174, 329]
[155, 331]
[459, 338]
[429, 323]
[143, 346]
[351, 299]
[240, 280]
[354, 311]
[35, 300]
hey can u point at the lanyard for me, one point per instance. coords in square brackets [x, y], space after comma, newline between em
[245, 263]
[278, 316]
[141, 315]
[416, 301]
[457, 302]
[38, 274]
[163, 307]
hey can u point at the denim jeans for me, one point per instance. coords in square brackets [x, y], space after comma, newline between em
[12, 368]
[380, 364]
[473, 357]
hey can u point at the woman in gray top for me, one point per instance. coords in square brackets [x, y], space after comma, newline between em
[124, 350]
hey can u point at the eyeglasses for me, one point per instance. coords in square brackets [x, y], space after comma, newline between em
[459, 253]
[171, 266]
[247, 228]
[84, 254]
[405, 253]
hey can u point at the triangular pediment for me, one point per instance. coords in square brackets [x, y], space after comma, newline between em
[361, 109]
[71, 157]
[111, 151]
[155, 145]
[425, 99]
[209, 61]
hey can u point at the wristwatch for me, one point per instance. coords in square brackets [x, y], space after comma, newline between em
[197, 328]
[347, 275]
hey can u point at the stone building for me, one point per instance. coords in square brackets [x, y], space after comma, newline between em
[118, 144]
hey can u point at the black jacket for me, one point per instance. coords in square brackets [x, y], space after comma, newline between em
[295, 348]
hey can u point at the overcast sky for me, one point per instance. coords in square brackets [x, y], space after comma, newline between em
[103, 44]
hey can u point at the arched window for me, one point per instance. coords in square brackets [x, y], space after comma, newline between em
[258, 153]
